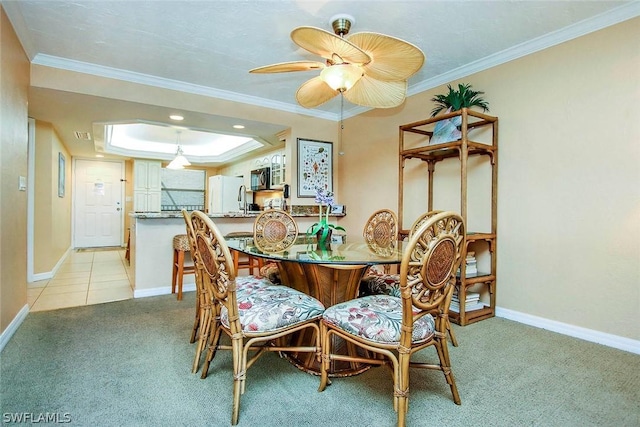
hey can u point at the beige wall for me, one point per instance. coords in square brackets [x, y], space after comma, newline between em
[569, 177]
[52, 214]
[568, 212]
[14, 83]
[301, 126]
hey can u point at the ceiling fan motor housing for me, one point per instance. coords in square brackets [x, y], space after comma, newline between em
[342, 24]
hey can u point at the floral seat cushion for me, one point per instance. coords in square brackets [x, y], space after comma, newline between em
[273, 307]
[377, 318]
[380, 284]
[251, 283]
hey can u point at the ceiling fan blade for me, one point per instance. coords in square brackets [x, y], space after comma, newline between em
[374, 93]
[285, 67]
[326, 44]
[314, 92]
[392, 58]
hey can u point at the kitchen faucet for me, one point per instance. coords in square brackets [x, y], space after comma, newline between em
[242, 191]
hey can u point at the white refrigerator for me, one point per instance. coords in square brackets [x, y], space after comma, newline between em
[223, 193]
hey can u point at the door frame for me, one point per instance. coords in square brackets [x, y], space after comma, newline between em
[122, 195]
[31, 199]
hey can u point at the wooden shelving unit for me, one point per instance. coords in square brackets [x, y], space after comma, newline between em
[414, 141]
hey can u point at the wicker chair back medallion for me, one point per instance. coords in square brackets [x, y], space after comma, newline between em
[275, 231]
[435, 254]
[381, 228]
[440, 261]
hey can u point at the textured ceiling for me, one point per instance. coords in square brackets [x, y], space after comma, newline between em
[212, 44]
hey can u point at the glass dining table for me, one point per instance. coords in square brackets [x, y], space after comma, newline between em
[330, 274]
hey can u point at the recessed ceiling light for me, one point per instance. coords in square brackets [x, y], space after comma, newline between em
[176, 117]
[238, 126]
[99, 155]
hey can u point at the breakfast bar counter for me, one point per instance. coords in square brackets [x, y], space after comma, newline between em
[151, 245]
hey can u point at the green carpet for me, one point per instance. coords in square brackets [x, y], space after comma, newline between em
[128, 364]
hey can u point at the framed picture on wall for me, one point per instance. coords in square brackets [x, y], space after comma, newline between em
[61, 174]
[337, 209]
[315, 167]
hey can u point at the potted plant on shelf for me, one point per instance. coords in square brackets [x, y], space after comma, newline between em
[449, 129]
[455, 100]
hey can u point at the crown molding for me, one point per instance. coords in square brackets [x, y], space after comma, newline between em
[164, 83]
[615, 16]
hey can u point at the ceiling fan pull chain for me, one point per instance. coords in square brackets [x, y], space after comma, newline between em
[340, 149]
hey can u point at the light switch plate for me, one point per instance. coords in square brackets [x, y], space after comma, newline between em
[22, 183]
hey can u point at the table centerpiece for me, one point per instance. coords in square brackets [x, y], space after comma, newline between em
[322, 229]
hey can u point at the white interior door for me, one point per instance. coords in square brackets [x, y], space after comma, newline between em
[98, 207]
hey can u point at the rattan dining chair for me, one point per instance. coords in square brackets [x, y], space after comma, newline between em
[384, 283]
[201, 296]
[253, 321]
[207, 311]
[380, 232]
[396, 328]
[274, 231]
[389, 284]
[381, 229]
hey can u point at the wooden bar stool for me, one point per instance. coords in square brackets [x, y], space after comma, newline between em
[127, 253]
[180, 246]
[250, 263]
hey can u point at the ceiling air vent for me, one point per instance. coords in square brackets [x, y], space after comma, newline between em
[85, 136]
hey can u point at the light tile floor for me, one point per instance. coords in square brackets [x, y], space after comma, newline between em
[84, 278]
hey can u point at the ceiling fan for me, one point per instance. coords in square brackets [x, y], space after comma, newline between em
[368, 69]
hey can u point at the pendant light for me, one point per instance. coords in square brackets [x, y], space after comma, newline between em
[180, 161]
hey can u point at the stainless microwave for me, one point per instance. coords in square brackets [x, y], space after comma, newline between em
[260, 179]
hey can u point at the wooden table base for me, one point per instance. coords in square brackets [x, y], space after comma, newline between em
[330, 284]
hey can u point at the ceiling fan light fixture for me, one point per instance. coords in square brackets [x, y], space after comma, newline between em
[341, 77]
[367, 68]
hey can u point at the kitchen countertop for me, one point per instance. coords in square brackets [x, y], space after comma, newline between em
[151, 244]
[249, 214]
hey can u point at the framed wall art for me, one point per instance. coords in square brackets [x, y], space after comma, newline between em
[337, 209]
[315, 167]
[61, 174]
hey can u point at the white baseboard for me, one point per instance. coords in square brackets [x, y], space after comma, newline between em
[41, 276]
[165, 290]
[621, 343]
[49, 274]
[13, 326]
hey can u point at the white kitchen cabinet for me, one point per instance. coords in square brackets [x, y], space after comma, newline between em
[277, 171]
[146, 201]
[146, 185]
